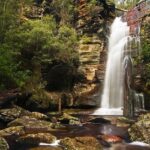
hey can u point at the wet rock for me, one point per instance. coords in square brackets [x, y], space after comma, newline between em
[35, 139]
[140, 131]
[81, 143]
[38, 115]
[99, 120]
[111, 138]
[121, 122]
[12, 132]
[68, 119]
[7, 115]
[32, 124]
[3, 144]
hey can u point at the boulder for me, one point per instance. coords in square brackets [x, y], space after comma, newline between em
[81, 143]
[32, 124]
[111, 138]
[35, 139]
[68, 119]
[7, 115]
[12, 132]
[140, 130]
[38, 115]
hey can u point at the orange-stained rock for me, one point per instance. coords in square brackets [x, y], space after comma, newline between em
[111, 138]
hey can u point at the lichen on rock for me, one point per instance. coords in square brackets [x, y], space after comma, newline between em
[35, 139]
[81, 143]
[3, 144]
[140, 130]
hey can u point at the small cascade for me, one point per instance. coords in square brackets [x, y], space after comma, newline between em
[139, 102]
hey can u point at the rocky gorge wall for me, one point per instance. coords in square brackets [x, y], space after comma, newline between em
[79, 85]
[92, 26]
[141, 79]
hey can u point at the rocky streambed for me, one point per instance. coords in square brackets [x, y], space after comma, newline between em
[76, 130]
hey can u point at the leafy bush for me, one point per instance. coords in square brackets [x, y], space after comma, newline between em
[36, 43]
[10, 73]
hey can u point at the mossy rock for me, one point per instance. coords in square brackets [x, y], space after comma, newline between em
[68, 119]
[12, 132]
[35, 139]
[32, 124]
[140, 131]
[10, 114]
[81, 143]
[3, 144]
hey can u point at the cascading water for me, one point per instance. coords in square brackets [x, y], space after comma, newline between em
[112, 97]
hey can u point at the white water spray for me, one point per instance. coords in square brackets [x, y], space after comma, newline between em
[112, 98]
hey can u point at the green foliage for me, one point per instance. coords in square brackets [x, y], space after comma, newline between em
[146, 52]
[128, 4]
[39, 42]
[63, 10]
[43, 41]
[10, 74]
[28, 45]
[86, 39]
[7, 16]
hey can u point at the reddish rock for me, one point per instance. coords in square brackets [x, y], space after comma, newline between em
[111, 138]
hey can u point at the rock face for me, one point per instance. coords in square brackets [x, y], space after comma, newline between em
[91, 23]
[81, 143]
[142, 72]
[140, 131]
[91, 16]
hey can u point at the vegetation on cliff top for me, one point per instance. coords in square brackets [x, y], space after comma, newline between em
[37, 35]
[29, 43]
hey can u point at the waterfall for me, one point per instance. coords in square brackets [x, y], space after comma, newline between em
[113, 92]
[139, 101]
